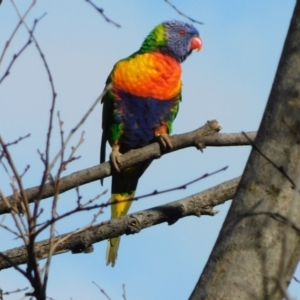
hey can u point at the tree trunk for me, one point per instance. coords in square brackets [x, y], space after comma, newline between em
[258, 247]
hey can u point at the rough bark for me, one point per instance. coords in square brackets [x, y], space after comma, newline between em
[258, 247]
[195, 205]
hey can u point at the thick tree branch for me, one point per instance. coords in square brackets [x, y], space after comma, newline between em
[195, 205]
[200, 138]
[256, 253]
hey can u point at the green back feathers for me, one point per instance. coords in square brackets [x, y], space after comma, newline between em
[155, 40]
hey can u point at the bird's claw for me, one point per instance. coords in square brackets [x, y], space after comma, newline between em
[200, 146]
[115, 158]
[165, 141]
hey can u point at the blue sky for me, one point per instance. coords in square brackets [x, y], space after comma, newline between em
[228, 80]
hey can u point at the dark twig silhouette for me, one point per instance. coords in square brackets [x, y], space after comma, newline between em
[183, 14]
[101, 11]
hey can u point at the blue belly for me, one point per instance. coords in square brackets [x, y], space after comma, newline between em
[141, 116]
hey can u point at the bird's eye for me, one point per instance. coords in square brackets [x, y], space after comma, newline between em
[181, 32]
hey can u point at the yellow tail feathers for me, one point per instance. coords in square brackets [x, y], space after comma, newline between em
[112, 251]
[117, 210]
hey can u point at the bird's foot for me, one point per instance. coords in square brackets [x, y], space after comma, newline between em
[165, 141]
[115, 157]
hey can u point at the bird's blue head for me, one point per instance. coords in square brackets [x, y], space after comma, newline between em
[181, 39]
[176, 38]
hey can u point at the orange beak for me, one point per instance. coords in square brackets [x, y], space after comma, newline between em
[196, 43]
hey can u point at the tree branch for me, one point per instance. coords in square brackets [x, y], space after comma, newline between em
[196, 205]
[200, 138]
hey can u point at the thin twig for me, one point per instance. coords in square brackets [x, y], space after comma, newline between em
[107, 88]
[9, 230]
[108, 203]
[293, 130]
[55, 183]
[124, 292]
[182, 14]
[284, 290]
[15, 57]
[94, 199]
[17, 217]
[180, 187]
[279, 168]
[63, 164]
[101, 11]
[25, 170]
[21, 138]
[15, 291]
[74, 211]
[33, 271]
[68, 236]
[8, 42]
[296, 279]
[12, 263]
[18, 178]
[101, 290]
[276, 216]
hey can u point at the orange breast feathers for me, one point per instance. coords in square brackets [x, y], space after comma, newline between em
[153, 75]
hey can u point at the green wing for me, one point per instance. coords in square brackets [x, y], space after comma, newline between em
[174, 113]
[107, 115]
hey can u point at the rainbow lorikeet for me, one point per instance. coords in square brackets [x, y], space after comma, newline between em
[141, 106]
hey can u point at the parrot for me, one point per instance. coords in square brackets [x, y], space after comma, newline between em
[140, 107]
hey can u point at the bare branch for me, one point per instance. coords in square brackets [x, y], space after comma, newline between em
[12, 263]
[182, 14]
[17, 176]
[191, 139]
[101, 11]
[101, 290]
[107, 88]
[124, 292]
[109, 203]
[15, 57]
[15, 31]
[196, 205]
[296, 279]
[15, 291]
[18, 140]
[46, 161]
